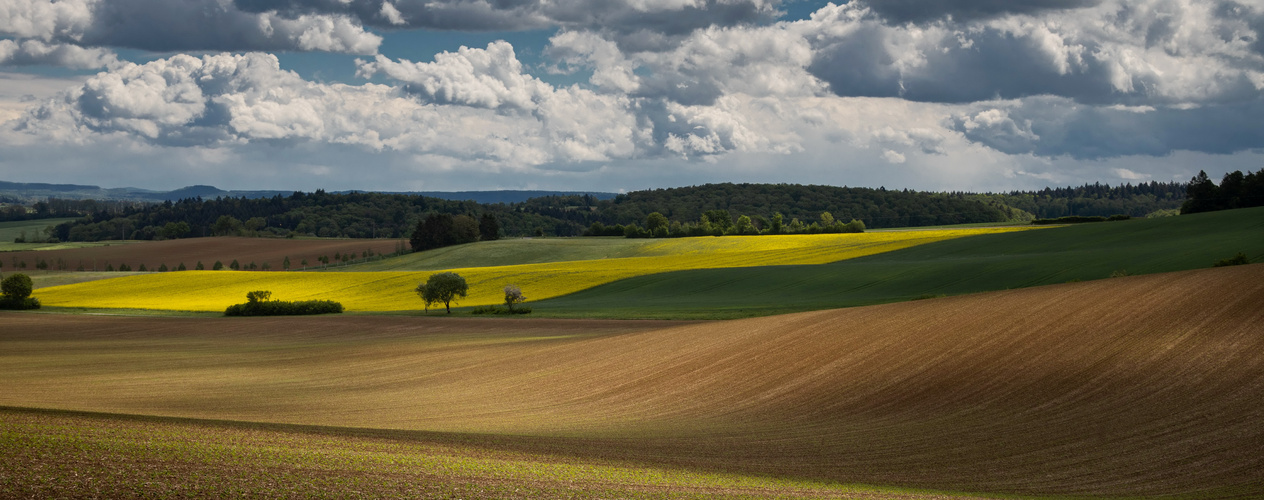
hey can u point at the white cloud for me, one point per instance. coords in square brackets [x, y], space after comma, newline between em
[163, 26]
[1120, 52]
[487, 78]
[1124, 173]
[392, 14]
[1015, 92]
[30, 52]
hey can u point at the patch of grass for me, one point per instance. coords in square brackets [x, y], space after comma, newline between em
[34, 229]
[951, 267]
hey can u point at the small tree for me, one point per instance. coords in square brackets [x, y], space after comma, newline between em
[442, 287]
[17, 287]
[258, 296]
[285, 264]
[181, 267]
[234, 265]
[15, 292]
[513, 295]
[218, 265]
[654, 221]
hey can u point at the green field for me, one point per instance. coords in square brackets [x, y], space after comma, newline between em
[953, 267]
[35, 229]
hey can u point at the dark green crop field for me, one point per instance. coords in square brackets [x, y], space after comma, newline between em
[966, 265]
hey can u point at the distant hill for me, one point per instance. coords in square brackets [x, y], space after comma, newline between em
[36, 191]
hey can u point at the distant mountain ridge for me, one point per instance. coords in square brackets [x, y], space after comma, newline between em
[37, 190]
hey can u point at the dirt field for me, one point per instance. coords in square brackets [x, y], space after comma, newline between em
[192, 250]
[1147, 385]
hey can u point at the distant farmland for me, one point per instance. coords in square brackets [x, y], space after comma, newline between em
[393, 291]
[190, 251]
[1134, 386]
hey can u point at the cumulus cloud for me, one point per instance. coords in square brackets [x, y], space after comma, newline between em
[1142, 52]
[1055, 126]
[937, 92]
[226, 101]
[625, 16]
[487, 78]
[902, 11]
[30, 52]
[160, 25]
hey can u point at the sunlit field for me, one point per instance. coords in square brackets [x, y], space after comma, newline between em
[1130, 387]
[393, 291]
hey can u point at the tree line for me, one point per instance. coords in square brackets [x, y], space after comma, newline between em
[721, 223]
[1236, 190]
[381, 215]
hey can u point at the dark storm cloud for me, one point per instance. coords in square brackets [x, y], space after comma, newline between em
[902, 11]
[970, 63]
[1058, 127]
[165, 26]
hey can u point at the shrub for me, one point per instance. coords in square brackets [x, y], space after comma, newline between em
[1236, 260]
[258, 303]
[499, 310]
[15, 293]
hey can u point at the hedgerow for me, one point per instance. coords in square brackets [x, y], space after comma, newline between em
[258, 304]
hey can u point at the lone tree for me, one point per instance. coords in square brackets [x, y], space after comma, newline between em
[15, 292]
[513, 295]
[442, 287]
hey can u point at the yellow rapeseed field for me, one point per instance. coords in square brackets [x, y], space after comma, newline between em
[393, 291]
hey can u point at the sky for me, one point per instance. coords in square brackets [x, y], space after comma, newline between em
[622, 95]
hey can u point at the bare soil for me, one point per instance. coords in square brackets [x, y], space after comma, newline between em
[1142, 385]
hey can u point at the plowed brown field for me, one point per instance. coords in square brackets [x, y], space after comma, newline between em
[192, 250]
[1148, 385]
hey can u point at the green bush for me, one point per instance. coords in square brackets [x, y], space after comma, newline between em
[1236, 260]
[500, 310]
[16, 293]
[258, 304]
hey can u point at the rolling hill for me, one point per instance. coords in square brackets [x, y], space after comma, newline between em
[968, 265]
[1132, 386]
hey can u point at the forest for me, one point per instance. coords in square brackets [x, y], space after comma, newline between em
[380, 215]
